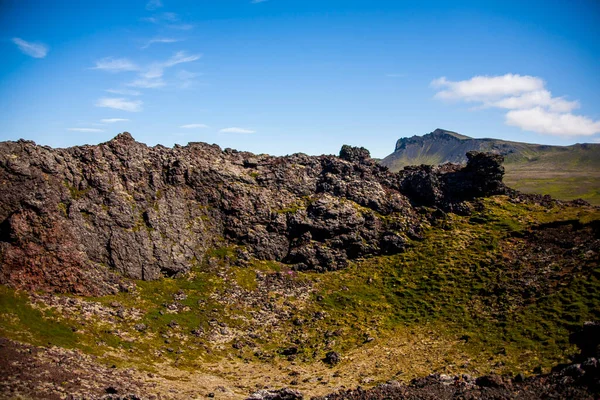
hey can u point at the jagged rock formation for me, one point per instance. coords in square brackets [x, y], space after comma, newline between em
[71, 217]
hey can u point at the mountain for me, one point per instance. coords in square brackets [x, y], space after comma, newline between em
[134, 272]
[564, 172]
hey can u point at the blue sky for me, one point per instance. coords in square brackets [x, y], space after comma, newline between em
[285, 76]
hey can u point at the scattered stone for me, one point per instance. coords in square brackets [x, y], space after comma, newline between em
[280, 394]
[180, 295]
[493, 381]
[332, 358]
[173, 324]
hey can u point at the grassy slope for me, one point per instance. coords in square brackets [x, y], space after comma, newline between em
[429, 309]
[564, 173]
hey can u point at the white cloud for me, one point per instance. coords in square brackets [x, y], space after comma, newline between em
[542, 98]
[181, 57]
[151, 76]
[160, 40]
[35, 50]
[258, 1]
[85, 130]
[113, 120]
[236, 130]
[186, 78]
[120, 104]
[531, 106]
[154, 71]
[485, 87]
[127, 92]
[147, 83]
[187, 75]
[194, 126]
[162, 18]
[153, 5]
[181, 27]
[539, 120]
[115, 65]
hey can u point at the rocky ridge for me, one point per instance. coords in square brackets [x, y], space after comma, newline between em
[76, 219]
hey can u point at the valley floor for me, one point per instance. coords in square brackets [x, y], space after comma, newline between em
[494, 292]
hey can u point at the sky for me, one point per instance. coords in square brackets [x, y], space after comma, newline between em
[287, 76]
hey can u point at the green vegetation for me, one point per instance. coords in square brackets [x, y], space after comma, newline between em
[447, 299]
[21, 321]
[76, 193]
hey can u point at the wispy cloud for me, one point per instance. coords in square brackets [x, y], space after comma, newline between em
[169, 20]
[120, 104]
[113, 120]
[144, 83]
[181, 27]
[116, 65]
[194, 126]
[126, 92]
[85, 130]
[153, 5]
[160, 40]
[35, 50]
[258, 1]
[531, 106]
[181, 57]
[236, 130]
[185, 75]
[151, 76]
[186, 78]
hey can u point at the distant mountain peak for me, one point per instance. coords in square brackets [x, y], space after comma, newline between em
[442, 132]
[529, 167]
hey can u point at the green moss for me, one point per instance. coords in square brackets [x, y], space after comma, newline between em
[20, 321]
[293, 209]
[245, 278]
[76, 193]
[62, 207]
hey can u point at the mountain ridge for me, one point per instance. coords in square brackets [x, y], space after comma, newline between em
[565, 172]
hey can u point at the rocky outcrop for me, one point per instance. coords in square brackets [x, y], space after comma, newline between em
[71, 218]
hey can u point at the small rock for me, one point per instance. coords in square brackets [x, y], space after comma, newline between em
[489, 381]
[173, 324]
[180, 295]
[280, 394]
[573, 370]
[332, 358]
[290, 351]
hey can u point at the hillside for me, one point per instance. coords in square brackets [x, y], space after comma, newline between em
[564, 172]
[134, 272]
